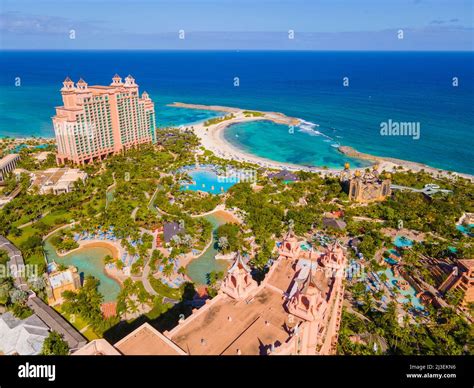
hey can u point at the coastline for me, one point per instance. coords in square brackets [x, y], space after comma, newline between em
[212, 138]
[406, 164]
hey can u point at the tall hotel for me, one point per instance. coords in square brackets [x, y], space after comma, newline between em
[96, 121]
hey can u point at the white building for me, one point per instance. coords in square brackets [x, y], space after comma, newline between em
[57, 180]
[7, 165]
[24, 337]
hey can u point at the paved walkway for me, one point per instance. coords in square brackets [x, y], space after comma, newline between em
[145, 281]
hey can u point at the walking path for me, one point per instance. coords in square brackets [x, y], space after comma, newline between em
[32, 222]
[145, 281]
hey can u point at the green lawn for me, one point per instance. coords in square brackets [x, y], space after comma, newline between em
[164, 290]
[79, 324]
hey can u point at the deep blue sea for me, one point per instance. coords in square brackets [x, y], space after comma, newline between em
[397, 86]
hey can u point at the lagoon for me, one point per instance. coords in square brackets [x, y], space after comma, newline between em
[199, 269]
[89, 261]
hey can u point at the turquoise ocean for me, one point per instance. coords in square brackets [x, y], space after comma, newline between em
[433, 89]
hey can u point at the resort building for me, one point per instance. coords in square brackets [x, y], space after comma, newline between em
[96, 121]
[16, 265]
[22, 337]
[171, 229]
[60, 281]
[57, 180]
[365, 187]
[334, 223]
[41, 157]
[296, 309]
[7, 165]
[57, 323]
[284, 175]
[462, 278]
[98, 347]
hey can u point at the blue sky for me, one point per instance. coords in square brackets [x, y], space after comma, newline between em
[237, 24]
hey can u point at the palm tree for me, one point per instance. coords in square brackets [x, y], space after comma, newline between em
[176, 239]
[368, 303]
[108, 259]
[168, 270]
[223, 243]
[187, 240]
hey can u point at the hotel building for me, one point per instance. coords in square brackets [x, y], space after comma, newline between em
[295, 310]
[367, 187]
[7, 165]
[461, 279]
[96, 121]
[60, 281]
[57, 180]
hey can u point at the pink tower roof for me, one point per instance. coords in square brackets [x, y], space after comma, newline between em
[312, 281]
[239, 263]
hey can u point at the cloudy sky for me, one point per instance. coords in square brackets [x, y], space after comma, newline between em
[237, 24]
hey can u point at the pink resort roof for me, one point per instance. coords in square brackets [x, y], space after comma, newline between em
[239, 263]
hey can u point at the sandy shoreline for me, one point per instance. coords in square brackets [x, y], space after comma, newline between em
[94, 244]
[212, 138]
[414, 166]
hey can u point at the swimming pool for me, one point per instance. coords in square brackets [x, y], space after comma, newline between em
[405, 295]
[466, 229]
[402, 242]
[206, 179]
[389, 260]
[305, 246]
[89, 261]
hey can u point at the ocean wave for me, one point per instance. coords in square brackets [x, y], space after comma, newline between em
[309, 128]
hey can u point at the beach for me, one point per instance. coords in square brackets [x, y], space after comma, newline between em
[115, 247]
[212, 138]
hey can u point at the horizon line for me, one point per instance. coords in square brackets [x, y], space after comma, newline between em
[236, 50]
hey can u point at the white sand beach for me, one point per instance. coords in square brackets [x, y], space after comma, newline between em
[212, 138]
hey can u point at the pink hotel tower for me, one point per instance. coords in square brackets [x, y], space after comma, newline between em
[96, 121]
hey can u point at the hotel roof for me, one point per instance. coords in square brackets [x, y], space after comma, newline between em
[335, 223]
[171, 229]
[16, 262]
[60, 278]
[284, 175]
[230, 327]
[8, 159]
[57, 323]
[22, 336]
[282, 275]
[468, 263]
[98, 347]
[146, 340]
[60, 177]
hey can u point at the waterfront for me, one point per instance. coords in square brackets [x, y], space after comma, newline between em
[349, 115]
